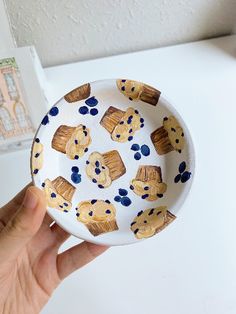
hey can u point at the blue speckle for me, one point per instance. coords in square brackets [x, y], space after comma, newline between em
[36, 155]
[97, 171]
[107, 201]
[139, 213]
[85, 133]
[77, 214]
[91, 102]
[182, 167]
[65, 211]
[123, 81]
[94, 180]
[121, 122]
[60, 206]
[76, 142]
[76, 157]
[185, 176]
[36, 171]
[135, 147]
[37, 140]
[75, 169]
[97, 163]
[103, 167]
[137, 156]
[84, 127]
[145, 150]
[75, 177]
[100, 186]
[130, 117]
[53, 111]
[117, 198]
[108, 211]
[93, 112]
[118, 135]
[93, 201]
[130, 98]
[160, 195]
[145, 196]
[129, 121]
[141, 120]
[86, 149]
[131, 187]
[91, 213]
[65, 204]
[87, 162]
[53, 195]
[130, 138]
[177, 178]
[123, 192]
[130, 131]
[141, 125]
[43, 184]
[136, 111]
[146, 188]
[83, 110]
[123, 88]
[125, 201]
[45, 120]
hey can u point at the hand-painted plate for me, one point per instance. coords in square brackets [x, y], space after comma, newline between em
[115, 160]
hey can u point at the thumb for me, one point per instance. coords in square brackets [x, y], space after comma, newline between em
[21, 228]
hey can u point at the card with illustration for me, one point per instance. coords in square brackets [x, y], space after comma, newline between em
[115, 160]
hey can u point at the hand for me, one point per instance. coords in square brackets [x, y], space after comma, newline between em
[30, 266]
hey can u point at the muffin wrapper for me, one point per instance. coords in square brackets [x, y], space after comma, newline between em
[111, 118]
[64, 188]
[161, 141]
[97, 228]
[61, 137]
[78, 93]
[115, 164]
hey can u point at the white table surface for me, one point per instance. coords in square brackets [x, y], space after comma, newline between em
[190, 267]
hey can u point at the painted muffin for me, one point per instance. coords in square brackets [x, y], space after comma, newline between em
[169, 137]
[98, 216]
[148, 183]
[72, 141]
[139, 91]
[79, 93]
[122, 124]
[102, 169]
[59, 193]
[151, 221]
[37, 156]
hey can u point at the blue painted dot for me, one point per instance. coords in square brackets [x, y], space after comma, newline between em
[76, 142]
[123, 192]
[103, 167]
[85, 133]
[125, 201]
[130, 117]
[94, 180]
[86, 149]
[182, 167]
[91, 213]
[123, 88]
[123, 81]
[129, 121]
[177, 178]
[77, 214]
[121, 122]
[84, 127]
[87, 162]
[136, 111]
[75, 177]
[97, 163]
[93, 201]
[36, 171]
[65, 204]
[91, 102]
[141, 125]
[60, 206]
[141, 120]
[53, 195]
[65, 211]
[93, 112]
[130, 131]
[145, 150]
[107, 201]
[53, 111]
[135, 147]
[100, 186]
[145, 196]
[118, 135]
[185, 176]
[37, 140]
[97, 171]
[36, 155]
[75, 169]
[117, 198]
[108, 211]
[43, 184]
[76, 157]
[137, 156]
[45, 120]
[83, 110]
[146, 188]
[130, 138]
[131, 187]
[160, 195]
[139, 213]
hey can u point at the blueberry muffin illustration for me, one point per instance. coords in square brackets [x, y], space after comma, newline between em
[59, 193]
[169, 137]
[37, 156]
[151, 221]
[98, 216]
[138, 91]
[148, 183]
[104, 168]
[72, 141]
[122, 125]
[79, 93]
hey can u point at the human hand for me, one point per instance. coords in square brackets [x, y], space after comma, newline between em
[30, 266]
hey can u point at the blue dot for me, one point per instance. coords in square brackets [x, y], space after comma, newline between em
[94, 180]
[75, 169]
[65, 211]
[85, 133]
[97, 171]
[135, 147]
[125, 201]
[93, 201]
[123, 81]
[45, 120]
[136, 111]
[129, 121]
[36, 171]
[86, 149]
[130, 138]
[65, 204]
[60, 206]
[177, 178]
[160, 195]
[53, 111]
[123, 192]
[97, 163]
[53, 195]
[185, 176]
[145, 196]
[137, 156]
[131, 187]
[118, 135]
[100, 186]
[141, 125]
[75, 177]
[84, 127]
[77, 214]
[37, 140]
[130, 131]
[123, 88]
[93, 112]
[76, 157]
[121, 122]
[130, 117]
[76, 142]
[141, 120]
[182, 167]
[145, 150]
[146, 188]
[83, 110]
[139, 213]
[117, 198]
[91, 102]
[91, 213]
[43, 184]
[108, 211]
[107, 201]
[36, 155]
[87, 162]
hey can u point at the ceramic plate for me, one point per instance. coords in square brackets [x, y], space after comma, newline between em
[115, 160]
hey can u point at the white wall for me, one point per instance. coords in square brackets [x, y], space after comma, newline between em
[72, 30]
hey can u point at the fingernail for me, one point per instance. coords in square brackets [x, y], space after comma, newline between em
[30, 200]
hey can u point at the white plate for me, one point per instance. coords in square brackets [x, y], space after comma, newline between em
[62, 142]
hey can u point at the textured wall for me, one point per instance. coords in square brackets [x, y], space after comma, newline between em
[71, 30]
